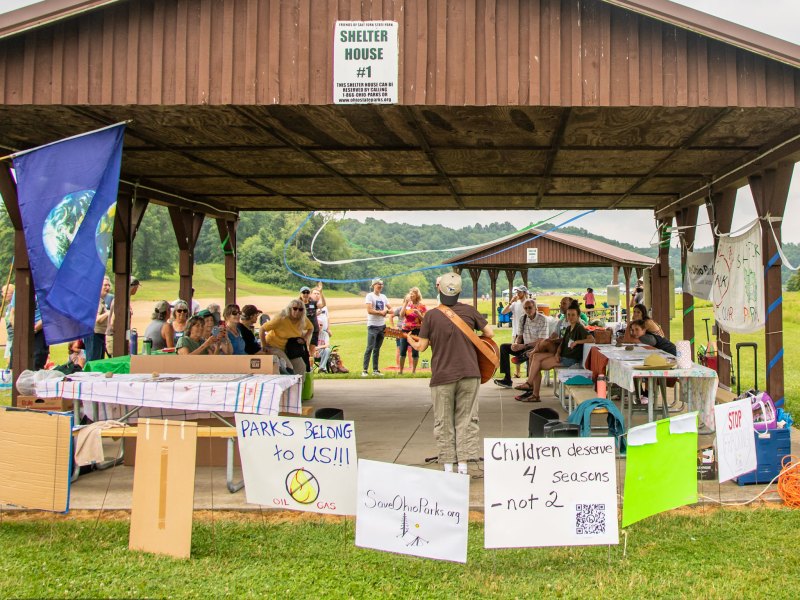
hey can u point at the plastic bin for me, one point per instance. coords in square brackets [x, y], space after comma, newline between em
[769, 454]
[334, 414]
[561, 429]
[308, 388]
[538, 418]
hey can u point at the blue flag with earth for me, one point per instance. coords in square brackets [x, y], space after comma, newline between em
[67, 199]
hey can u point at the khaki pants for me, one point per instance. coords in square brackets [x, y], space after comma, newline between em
[455, 420]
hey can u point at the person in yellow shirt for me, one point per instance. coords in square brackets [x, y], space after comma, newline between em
[287, 336]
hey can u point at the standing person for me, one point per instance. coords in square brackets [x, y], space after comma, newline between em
[411, 315]
[456, 375]
[324, 347]
[377, 309]
[41, 349]
[159, 331]
[112, 318]
[588, 299]
[287, 336]
[515, 308]
[96, 343]
[313, 300]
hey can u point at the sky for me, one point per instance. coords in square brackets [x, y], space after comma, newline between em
[775, 17]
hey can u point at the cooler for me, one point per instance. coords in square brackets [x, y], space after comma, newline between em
[770, 452]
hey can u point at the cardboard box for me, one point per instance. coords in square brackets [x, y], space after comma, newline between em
[211, 452]
[48, 404]
[260, 364]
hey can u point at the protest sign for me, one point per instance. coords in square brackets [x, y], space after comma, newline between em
[699, 276]
[661, 469]
[298, 464]
[736, 445]
[550, 492]
[413, 511]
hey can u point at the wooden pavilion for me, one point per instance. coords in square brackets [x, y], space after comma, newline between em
[540, 104]
[540, 249]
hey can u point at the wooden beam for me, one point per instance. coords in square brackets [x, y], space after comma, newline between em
[659, 278]
[555, 147]
[770, 193]
[493, 273]
[187, 226]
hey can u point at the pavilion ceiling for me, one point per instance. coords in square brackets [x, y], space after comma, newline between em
[419, 157]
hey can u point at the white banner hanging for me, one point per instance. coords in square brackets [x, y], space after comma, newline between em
[414, 511]
[699, 276]
[550, 492]
[738, 290]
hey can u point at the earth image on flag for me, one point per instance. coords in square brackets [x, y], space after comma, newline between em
[64, 220]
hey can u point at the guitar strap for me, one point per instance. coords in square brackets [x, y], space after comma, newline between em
[471, 335]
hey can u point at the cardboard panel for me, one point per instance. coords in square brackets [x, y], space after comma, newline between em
[261, 364]
[211, 452]
[163, 488]
[35, 452]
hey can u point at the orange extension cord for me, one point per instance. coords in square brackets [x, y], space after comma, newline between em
[789, 481]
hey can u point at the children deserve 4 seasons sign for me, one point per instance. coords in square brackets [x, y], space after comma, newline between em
[365, 62]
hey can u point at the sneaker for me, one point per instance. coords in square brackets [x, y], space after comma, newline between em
[504, 383]
[377, 373]
[364, 374]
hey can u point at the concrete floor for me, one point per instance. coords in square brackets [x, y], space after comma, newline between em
[394, 423]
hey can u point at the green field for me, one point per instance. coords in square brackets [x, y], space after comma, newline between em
[699, 553]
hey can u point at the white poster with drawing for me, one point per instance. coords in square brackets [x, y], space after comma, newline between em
[549, 492]
[699, 276]
[738, 290]
[410, 510]
[736, 443]
[299, 464]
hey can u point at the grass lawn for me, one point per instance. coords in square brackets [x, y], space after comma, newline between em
[692, 553]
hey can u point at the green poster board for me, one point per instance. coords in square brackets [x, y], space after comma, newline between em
[660, 476]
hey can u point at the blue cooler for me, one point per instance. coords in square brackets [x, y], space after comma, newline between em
[770, 452]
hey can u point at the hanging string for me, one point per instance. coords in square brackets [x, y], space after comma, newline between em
[408, 272]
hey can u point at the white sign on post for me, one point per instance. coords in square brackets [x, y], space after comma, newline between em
[550, 492]
[299, 464]
[413, 511]
[365, 62]
[532, 255]
[736, 444]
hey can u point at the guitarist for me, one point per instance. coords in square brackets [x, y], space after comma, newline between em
[456, 375]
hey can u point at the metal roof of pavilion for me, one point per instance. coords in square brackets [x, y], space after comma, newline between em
[536, 105]
[553, 249]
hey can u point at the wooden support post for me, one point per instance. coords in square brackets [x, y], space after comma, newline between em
[475, 275]
[524, 273]
[720, 216]
[127, 219]
[510, 276]
[493, 273]
[659, 278]
[22, 353]
[627, 272]
[227, 236]
[615, 274]
[687, 222]
[770, 192]
[187, 226]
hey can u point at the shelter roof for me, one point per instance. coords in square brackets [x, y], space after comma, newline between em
[553, 249]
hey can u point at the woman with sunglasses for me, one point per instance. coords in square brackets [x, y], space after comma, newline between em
[232, 316]
[287, 336]
[180, 317]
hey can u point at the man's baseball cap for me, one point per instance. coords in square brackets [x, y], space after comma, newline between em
[305, 288]
[522, 288]
[376, 281]
[449, 288]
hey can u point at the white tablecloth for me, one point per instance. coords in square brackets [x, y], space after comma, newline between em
[192, 393]
[701, 381]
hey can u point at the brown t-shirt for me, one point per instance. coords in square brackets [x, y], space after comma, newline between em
[454, 355]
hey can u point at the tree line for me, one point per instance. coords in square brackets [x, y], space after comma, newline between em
[262, 240]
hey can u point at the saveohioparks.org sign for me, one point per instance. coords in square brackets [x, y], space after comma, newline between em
[365, 62]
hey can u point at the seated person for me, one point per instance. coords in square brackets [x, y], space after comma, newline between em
[659, 342]
[287, 336]
[192, 342]
[640, 313]
[533, 328]
[247, 322]
[160, 330]
[232, 316]
[214, 330]
[570, 352]
[566, 302]
[76, 360]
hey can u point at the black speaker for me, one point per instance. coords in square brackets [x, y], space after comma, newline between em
[561, 429]
[538, 418]
[334, 414]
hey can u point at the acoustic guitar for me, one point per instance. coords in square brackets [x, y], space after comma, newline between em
[487, 365]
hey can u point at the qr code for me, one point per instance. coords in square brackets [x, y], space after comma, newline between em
[590, 519]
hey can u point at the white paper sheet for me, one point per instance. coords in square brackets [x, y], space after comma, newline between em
[642, 434]
[683, 423]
